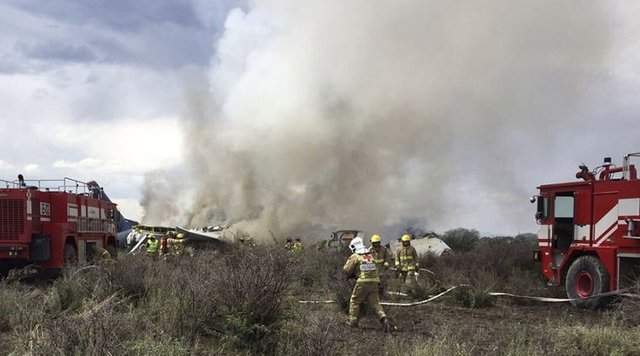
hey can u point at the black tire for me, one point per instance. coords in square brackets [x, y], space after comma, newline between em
[70, 255]
[585, 278]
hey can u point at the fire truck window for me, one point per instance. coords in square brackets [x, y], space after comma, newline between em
[563, 226]
[564, 207]
[542, 210]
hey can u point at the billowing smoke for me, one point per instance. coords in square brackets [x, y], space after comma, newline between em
[378, 114]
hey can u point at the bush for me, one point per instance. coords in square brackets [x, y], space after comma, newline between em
[100, 328]
[14, 301]
[461, 239]
[342, 289]
[252, 288]
[236, 301]
[129, 273]
[317, 268]
[180, 297]
[472, 297]
[78, 314]
[501, 264]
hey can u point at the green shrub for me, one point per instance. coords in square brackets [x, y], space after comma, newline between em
[181, 296]
[129, 273]
[252, 289]
[461, 239]
[100, 328]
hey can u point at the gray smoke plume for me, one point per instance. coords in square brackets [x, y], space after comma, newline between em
[376, 114]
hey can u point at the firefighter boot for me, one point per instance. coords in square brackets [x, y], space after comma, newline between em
[386, 327]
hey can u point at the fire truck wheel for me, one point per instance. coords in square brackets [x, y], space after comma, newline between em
[70, 255]
[587, 277]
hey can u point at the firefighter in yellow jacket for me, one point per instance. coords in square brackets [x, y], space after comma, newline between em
[407, 259]
[298, 246]
[379, 253]
[102, 256]
[381, 258]
[362, 266]
[176, 244]
[152, 246]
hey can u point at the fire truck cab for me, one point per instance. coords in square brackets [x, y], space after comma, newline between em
[589, 236]
[53, 223]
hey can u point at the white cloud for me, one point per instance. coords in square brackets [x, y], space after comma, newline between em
[122, 146]
[84, 163]
[5, 166]
[31, 167]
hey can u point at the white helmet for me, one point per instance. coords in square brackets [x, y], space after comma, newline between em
[357, 246]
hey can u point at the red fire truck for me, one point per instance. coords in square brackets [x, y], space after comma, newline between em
[589, 237]
[53, 223]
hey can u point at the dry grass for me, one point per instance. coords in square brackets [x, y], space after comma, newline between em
[244, 301]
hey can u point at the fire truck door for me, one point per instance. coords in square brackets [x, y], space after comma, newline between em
[563, 220]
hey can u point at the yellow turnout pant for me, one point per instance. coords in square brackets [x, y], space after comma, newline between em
[364, 291]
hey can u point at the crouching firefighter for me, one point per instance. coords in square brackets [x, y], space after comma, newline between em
[361, 265]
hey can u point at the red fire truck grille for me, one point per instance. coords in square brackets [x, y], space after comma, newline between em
[11, 219]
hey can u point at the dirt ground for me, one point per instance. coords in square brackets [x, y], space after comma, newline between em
[486, 330]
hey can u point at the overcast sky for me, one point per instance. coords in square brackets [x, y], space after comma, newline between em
[94, 89]
[98, 90]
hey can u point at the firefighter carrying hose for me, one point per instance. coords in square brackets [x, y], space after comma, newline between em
[407, 260]
[361, 265]
[381, 258]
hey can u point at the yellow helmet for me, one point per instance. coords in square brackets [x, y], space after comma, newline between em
[180, 235]
[152, 235]
[375, 238]
[406, 237]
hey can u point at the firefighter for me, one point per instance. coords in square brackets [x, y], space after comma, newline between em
[152, 245]
[246, 241]
[289, 244]
[103, 256]
[407, 260]
[360, 265]
[381, 258]
[176, 244]
[297, 246]
[164, 246]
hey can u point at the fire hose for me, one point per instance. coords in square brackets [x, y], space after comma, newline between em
[620, 292]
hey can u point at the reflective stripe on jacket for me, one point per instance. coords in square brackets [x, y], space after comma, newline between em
[407, 259]
[362, 267]
[368, 269]
[380, 256]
